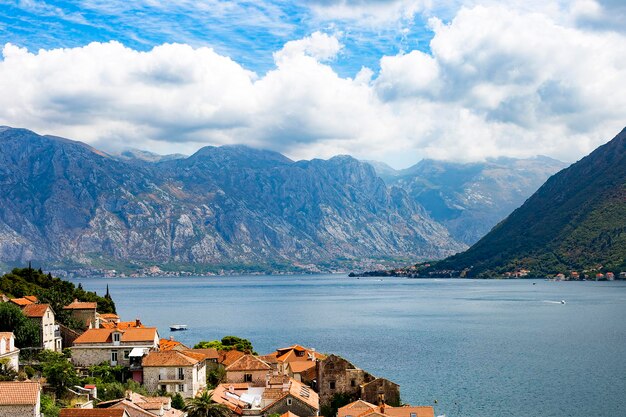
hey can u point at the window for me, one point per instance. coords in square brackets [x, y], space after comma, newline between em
[413, 415]
[352, 383]
[116, 337]
[289, 401]
[163, 388]
[247, 378]
[126, 354]
[181, 373]
[162, 373]
[114, 356]
[331, 385]
[181, 387]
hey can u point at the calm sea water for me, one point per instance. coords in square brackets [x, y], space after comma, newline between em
[479, 348]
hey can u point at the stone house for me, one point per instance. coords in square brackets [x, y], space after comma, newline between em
[250, 369]
[20, 399]
[49, 334]
[84, 312]
[114, 346]
[336, 375]
[8, 351]
[174, 371]
[381, 390]
[280, 395]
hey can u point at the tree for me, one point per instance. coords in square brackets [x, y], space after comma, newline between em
[228, 343]
[59, 373]
[178, 402]
[13, 320]
[204, 406]
[215, 377]
[48, 406]
[7, 372]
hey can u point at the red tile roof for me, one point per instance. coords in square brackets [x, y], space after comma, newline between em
[21, 301]
[209, 353]
[169, 344]
[81, 305]
[35, 310]
[248, 363]
[93, 412]
[228, 357]
[132, 334]
[419, 411]
[171, 358]
[19, 393]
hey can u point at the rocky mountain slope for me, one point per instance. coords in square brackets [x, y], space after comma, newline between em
[470, 199]
[575, 221]
[65, 203]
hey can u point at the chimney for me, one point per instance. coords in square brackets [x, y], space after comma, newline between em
[137, 323]
[172, 338]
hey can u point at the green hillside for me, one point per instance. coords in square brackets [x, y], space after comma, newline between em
[575, 221]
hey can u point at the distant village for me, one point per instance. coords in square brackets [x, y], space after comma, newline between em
[293, 381]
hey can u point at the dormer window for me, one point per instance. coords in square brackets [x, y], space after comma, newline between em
[116, 338]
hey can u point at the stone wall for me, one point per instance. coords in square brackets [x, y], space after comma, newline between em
[194, 379]
[259, 378]
[381, 389]
[297, 407]
[18, 411]
[336, 375]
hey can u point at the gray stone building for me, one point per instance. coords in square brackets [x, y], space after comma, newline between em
[174, 371]
[20, 399]
[113, 346]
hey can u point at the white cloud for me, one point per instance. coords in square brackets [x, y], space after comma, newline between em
[498, 81]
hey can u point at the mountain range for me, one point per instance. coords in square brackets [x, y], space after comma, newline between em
[469, 199]
[575, 222]
[233, 208]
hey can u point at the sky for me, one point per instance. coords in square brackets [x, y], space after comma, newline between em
[388, 80]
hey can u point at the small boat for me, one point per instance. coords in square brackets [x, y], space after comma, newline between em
[562, 301]
[177, 327]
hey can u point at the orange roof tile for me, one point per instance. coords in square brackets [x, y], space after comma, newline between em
[93, 412]
[406, 411]
[21, 301]
[298, 367]
[289, 414]
[171, 358]
[132, 334]
[109, 316]
[248, 363]
[228, 357]
[19, 393]
[304, 394]
[208, 353]
[35, 310]
[81, 305]
[169, 344]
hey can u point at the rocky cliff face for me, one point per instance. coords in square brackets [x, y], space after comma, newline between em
[470, 199]
[62, 201]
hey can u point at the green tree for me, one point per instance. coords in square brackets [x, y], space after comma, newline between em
[228, 343]
[48, 406]
[13, 320]
[7, 372]
[178, 402]
[59, 373]
[215, 377]
[204, 406]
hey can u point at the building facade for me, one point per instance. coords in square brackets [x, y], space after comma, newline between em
[174, 371]
[113, 346]
[49, 335]
[20, 399]
[8, 351]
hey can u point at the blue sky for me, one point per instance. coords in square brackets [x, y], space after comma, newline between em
[247, 31]
[389, 80]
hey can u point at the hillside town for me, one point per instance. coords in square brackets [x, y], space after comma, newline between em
[164, 377]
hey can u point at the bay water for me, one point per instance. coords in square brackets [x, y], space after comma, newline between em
[471, 348]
